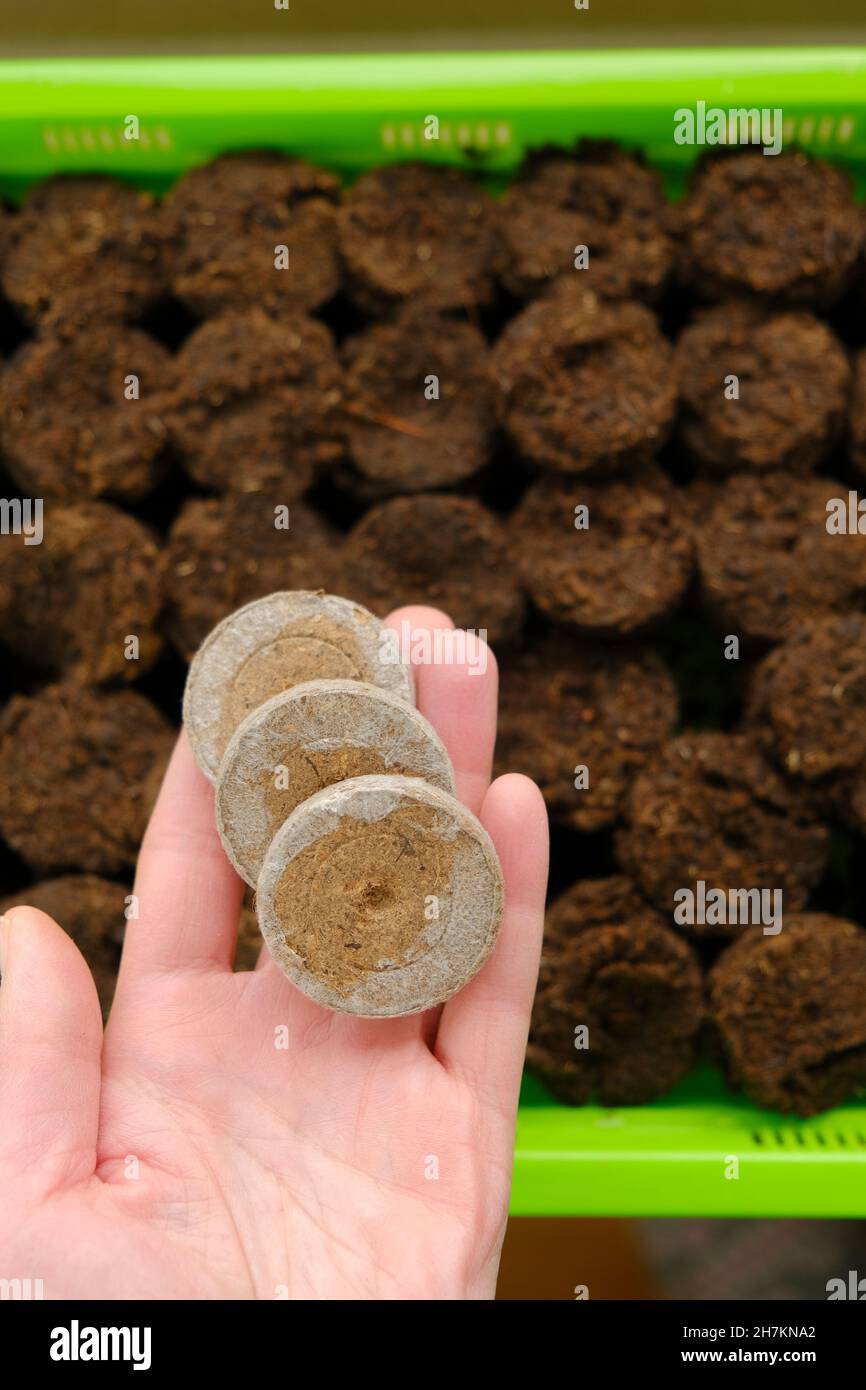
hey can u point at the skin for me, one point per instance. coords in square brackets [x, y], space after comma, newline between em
[185, 1156]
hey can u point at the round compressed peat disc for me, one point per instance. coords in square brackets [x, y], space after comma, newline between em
[305, 739]
[274, 643]
[380, 896]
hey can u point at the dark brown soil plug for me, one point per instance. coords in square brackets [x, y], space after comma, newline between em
[788, 1013]
[619, 1000]
[79, 771]
[255, 228]
[596, 213]
[582, 720]
[784, 228]
[585, 384]
[84, 603]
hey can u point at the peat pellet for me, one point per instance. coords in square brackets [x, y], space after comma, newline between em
[784, 229]
[223, 552]
[581, 720]
[307, 738]
[380, 896]
[610, 558]
[710, 807]
[85, 602]
[435, 548]
[419, 402]
[767, 562]
[808, 698]
[86, 242]
[421, 234]
[760, 391]
[80, 416]
[788, 1014]
[597, 213]
[91, 910]
[79, 771]
[253, 403]
[272, 644]
[619, 1000]
[254, 228]
[584, 383]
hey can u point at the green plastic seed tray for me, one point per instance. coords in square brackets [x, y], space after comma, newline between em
[700, 1151]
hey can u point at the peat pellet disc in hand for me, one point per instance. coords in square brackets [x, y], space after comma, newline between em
[380, 896]
[272, 644]
[305, 739]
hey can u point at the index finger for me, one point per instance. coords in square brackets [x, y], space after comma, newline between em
[457, 686]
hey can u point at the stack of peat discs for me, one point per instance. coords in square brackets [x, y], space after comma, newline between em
[377, 892]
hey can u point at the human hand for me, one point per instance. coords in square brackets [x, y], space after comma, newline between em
[187, 1156]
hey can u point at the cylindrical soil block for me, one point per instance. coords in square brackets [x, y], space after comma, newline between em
[84, 603]
[305, 739]
[767, 561]
[581, 720]
[784, 228]
[414, 233]
[419, 402]
[788, 1014]
[89, 244]
[710, 807]
[585, 383]
[224, 552]
[275, 643]
[254, 228]
[79, 413]
[596, 206]
[254, 403]
[380, 896]
[91, 910]
[760, 391]
[436, 549]
[610, 558]
[619, 1001]
[79, 771]
[808, 698]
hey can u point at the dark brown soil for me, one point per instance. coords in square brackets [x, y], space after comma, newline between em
[436, 549]
[421, 234]
[228, 219]
[86, 243]
[710, 807]
[398, 437]
[70, 604]
[585, 384]
[783, 228]
[793, 376]
[789, 1014]
[91, 910]
[79, 771]
[631, 982]
[620, 573]
[808, 698]
[564, 704]
[223, 553]
[598, 197]
[75, 424]
[254, 404]
[767, 561]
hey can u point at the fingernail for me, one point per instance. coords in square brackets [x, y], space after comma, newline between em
[5, 932]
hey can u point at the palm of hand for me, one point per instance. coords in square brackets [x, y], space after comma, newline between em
[234, 1140]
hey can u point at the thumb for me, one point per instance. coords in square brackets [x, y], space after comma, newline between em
[50, 1051]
